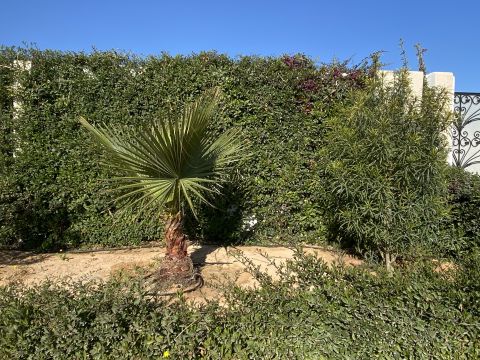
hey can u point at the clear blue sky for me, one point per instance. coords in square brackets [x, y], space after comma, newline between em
[321, 29]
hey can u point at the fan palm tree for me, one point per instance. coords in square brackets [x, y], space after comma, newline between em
[171, 165]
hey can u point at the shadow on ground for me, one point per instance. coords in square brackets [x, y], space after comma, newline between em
[14, 257]
[199, 256]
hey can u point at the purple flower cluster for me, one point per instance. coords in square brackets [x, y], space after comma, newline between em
[292, 62]
[309, 85]
[336, 73]
[352, 75]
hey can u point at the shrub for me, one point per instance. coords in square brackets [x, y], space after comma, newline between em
[52, 195]
[7, 229]
[461, 230]
[330, 313]
[469, 283]
[384, 160]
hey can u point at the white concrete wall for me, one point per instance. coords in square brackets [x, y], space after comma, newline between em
[445, 80]
[19, 66]
[415, 77]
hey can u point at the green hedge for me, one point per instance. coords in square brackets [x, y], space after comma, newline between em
[461, 229]
[51, 195]
[332, 313]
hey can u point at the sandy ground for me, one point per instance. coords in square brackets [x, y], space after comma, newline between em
[216, 264]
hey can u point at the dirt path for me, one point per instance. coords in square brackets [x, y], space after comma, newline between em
[216, 263]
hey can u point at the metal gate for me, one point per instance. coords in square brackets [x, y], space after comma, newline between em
[465, 131]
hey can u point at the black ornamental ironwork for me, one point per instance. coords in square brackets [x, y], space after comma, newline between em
[465, 130]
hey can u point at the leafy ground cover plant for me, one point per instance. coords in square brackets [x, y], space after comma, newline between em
[168, 166]
[313, 312]
[384, 161]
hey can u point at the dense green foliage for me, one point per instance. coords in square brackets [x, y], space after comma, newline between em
[51, 195]
[462, 226]
[384, 166]
[7, 229]
[325, 137]
[331, 313]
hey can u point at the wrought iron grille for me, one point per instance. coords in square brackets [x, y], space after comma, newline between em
[465, 131]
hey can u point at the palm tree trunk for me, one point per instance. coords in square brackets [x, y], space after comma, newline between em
[175, 238]
[177, 267]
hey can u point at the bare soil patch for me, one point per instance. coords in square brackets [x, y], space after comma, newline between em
[217, 264]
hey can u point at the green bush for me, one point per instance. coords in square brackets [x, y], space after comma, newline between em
[332, 313]
[51, 195]
[7, 229]
[384, 162]
[462, 228]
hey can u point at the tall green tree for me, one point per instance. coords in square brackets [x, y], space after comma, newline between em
[171, 165]
[384, 162]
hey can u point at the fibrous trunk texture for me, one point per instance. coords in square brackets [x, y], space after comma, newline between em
[176, 270]
[175, 238]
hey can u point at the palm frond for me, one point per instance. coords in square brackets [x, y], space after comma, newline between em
[170, 163]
